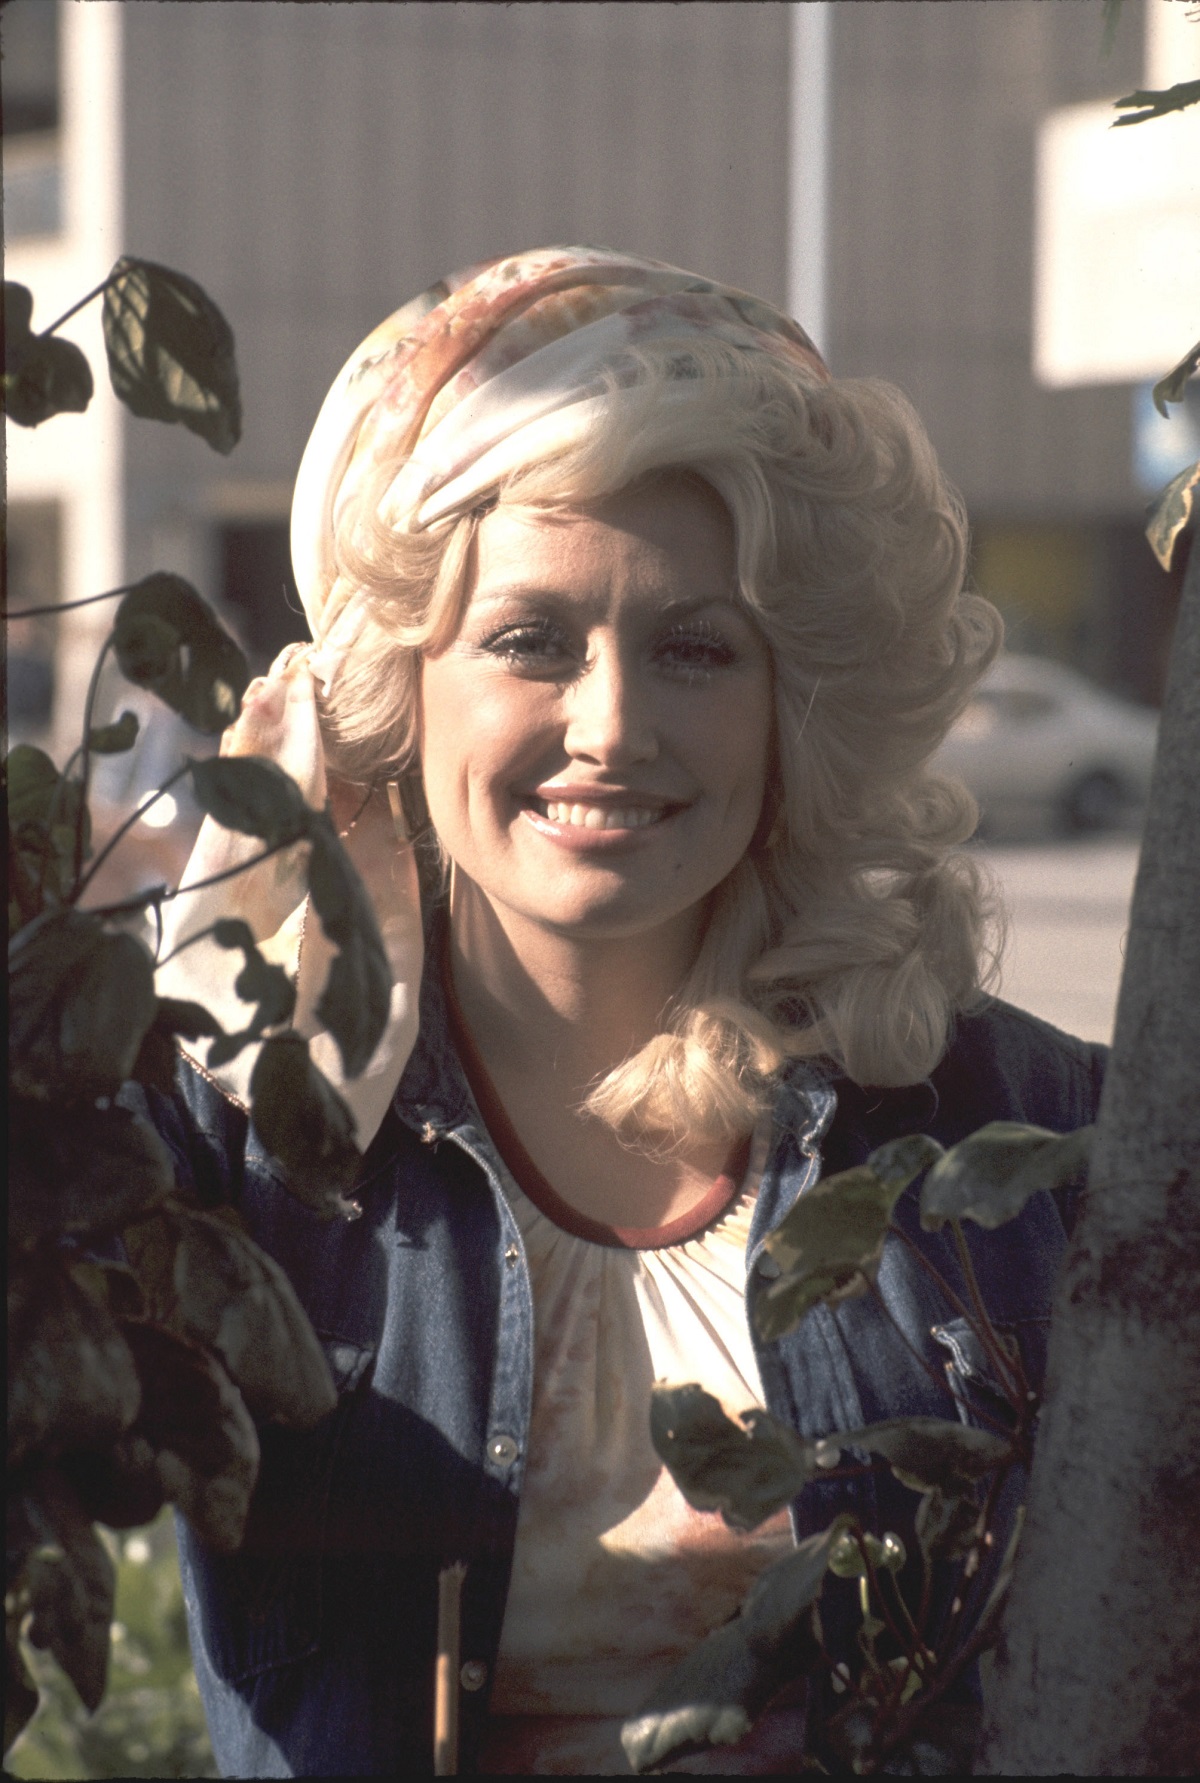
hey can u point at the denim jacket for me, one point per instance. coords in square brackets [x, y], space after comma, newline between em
[314, 1645]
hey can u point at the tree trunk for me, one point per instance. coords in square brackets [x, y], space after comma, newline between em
[1098, 1672]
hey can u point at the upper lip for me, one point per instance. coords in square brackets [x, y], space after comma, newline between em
[617, 798]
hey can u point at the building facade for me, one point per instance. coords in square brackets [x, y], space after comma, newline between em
[313, 166]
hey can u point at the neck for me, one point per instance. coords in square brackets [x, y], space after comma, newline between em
[566, 1009]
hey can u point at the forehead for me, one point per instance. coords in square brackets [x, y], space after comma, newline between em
[669, 538]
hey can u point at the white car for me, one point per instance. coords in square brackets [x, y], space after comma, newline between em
[1038, 736]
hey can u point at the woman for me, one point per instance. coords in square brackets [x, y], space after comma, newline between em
[652, 627]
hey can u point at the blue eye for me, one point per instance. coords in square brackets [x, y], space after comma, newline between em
[695, 650]
[535, 643]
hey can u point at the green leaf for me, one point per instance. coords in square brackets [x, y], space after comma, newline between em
[1172, 513]
[306, 1125]
[204, 1440]
[831, 1242]
[1159, 102]
[356, 1001]
[155, 1063]
[900, 1161]
[170, 352]
[20, 1692]
[118, 1485]
[43, 375]
[80, 1002]
[236, 1299]
[70, 1581]
[745, 1470]
[1172, 387]
[714, 1694]
[72, 1382]
[254, 796]
[79, 1169]
[169, 641]
[990, 1176]
[42, 814]
[946, 1524]
[115, 738]
[847, 1559]
[926, 1454]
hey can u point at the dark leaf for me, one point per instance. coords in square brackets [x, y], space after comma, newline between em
[70, 1581]
[115, 738]
[305, 1124]
[714, 1694]
[946, 1525]
[926, 1454]
[946, 1740]
[830, 1244]
[18, 314]
[356, 1001]
[80, 1002]
[989, 1177]
[253, 795]
[196, 1422]
[75, 1170]
[1172, 387]
[169, 641]
[52, 377]
[745, 1470]
[118, 1485]
[1156, 103]
[20, 1691]
[156, 1060]
[72, 1382]
[1172, 513]
[42, 814]
[113, 1284]
[170, 352]
[235, 1298]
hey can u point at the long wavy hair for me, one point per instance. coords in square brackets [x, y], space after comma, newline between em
[853, 928]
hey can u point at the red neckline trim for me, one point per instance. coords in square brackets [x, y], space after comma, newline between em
[531, 1182]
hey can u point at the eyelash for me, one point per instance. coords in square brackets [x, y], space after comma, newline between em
[707, 648]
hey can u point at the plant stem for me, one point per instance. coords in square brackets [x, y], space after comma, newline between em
[162, 894]
[930, 1370]
[123, 829]
[998, 1354]
[972, 1318]
[88, 600]
[85, 761]
[200, 935]
[76, 307]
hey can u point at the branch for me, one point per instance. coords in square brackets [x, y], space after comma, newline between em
[89, 600]
[123, 830]
[1157, 104]
[157, 895]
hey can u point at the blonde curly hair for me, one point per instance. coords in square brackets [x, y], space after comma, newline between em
[852, 930]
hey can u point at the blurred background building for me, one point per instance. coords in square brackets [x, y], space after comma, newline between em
[313, 166]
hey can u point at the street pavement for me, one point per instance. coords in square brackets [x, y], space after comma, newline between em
[1068, 911]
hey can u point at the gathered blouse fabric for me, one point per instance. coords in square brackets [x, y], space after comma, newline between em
[615, 1577]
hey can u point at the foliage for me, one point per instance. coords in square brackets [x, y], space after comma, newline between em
[151, 1723]
[134, 1383]
[1144, 105]
[891, 1708]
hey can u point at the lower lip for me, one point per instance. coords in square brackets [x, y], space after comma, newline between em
[584, 841]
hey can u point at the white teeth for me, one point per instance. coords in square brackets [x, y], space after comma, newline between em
[599, 817]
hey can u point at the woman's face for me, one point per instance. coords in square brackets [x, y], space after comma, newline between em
[595, 741]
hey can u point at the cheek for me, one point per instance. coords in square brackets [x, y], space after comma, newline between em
[477, 730]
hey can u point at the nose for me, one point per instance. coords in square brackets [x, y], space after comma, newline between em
[610, 715]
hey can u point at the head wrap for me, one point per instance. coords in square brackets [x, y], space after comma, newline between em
[495, 367]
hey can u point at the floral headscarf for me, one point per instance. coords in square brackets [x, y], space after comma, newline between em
[493, 368]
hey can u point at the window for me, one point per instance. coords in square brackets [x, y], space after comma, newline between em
[30, 92]
[258, 591]
[34, 549]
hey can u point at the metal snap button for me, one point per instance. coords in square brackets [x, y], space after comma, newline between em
[473, 1675]
[503, 1450]
[512, 1255]
[428, 1133]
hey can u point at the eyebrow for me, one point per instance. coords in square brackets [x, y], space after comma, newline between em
[532, 594]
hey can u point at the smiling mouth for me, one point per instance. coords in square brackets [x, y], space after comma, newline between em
[598, 817]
